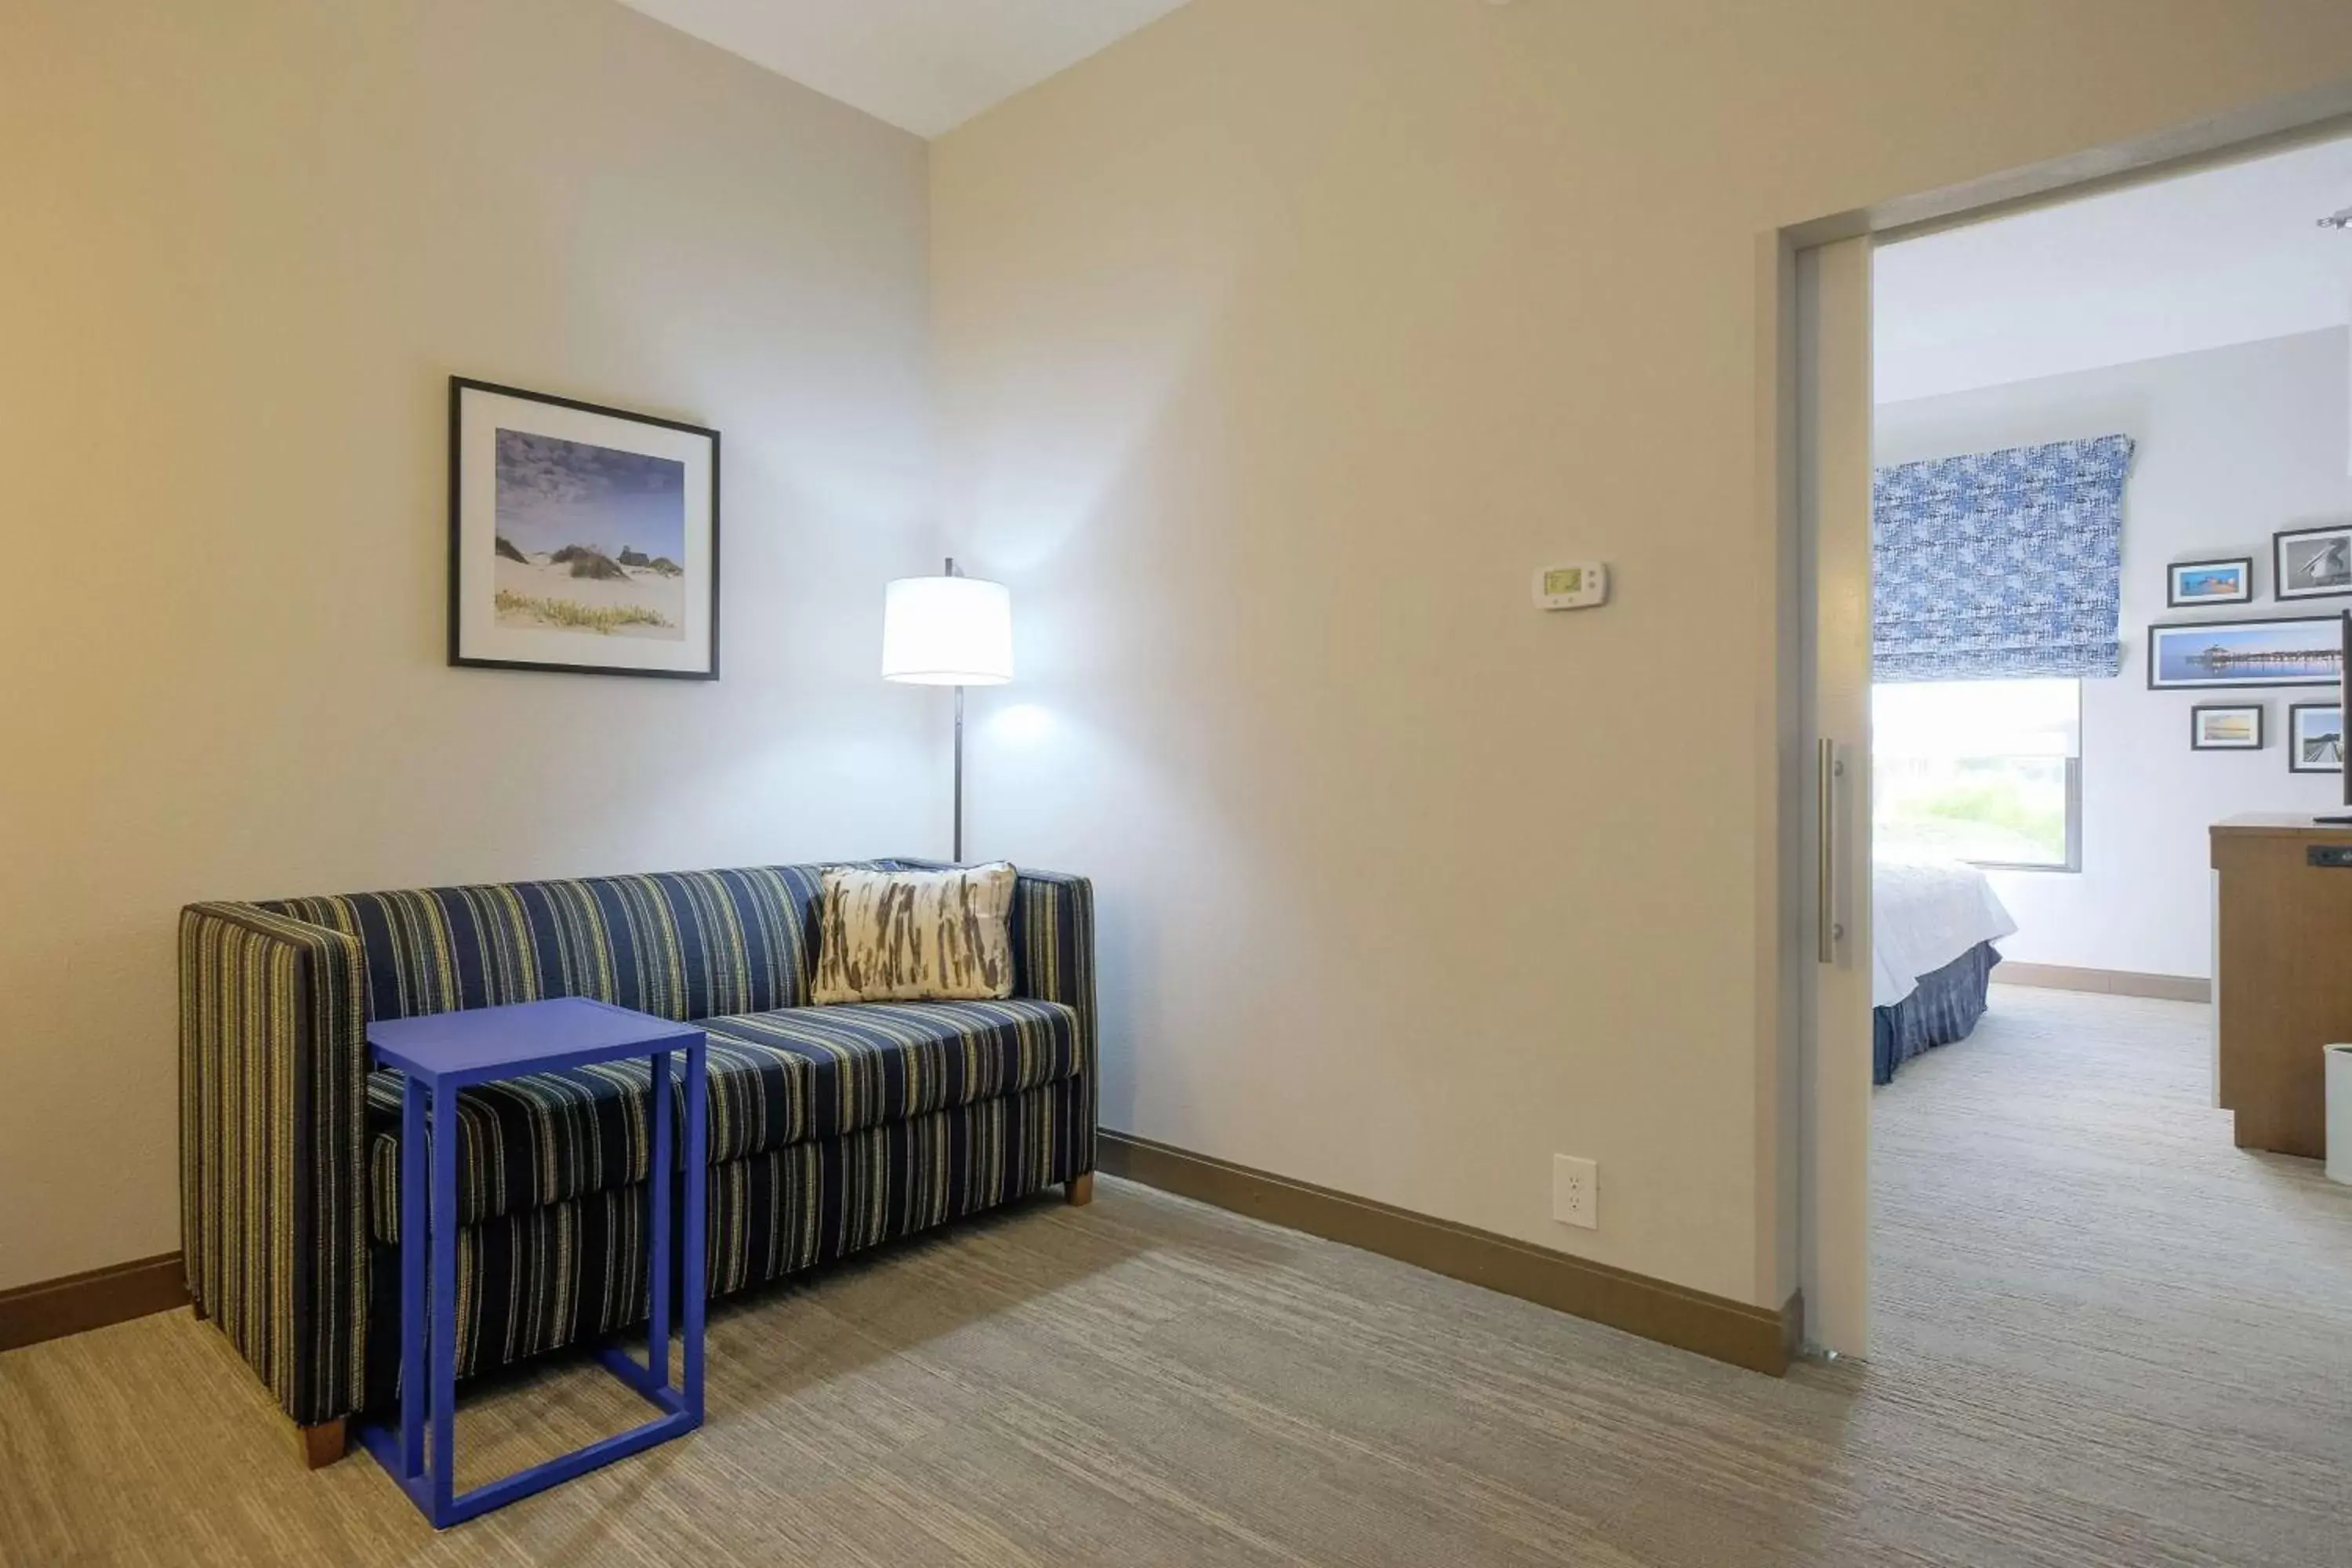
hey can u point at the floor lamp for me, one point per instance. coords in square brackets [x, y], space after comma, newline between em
[948, 630]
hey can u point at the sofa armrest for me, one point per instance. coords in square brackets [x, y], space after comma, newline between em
[1054, 943]
[273, 1074]
[1053, 961]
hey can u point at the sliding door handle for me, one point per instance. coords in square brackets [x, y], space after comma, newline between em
[1827, 772]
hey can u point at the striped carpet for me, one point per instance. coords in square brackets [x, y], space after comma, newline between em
[2104, 1336]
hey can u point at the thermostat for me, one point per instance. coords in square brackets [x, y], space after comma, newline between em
[1578, 585]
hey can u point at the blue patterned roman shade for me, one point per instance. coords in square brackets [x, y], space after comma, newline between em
[1999, 564]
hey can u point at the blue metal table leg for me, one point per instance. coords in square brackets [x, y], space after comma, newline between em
[414, 1230]
[442, 1360]
[657, 1265]
[697, 1285]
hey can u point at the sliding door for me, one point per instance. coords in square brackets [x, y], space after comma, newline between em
[1834, 436]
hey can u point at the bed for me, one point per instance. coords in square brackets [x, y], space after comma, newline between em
[1933, 927]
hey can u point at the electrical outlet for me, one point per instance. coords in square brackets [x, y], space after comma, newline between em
[1575, 1192]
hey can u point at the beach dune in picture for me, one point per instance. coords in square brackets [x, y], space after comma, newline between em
[2301, 651]
[588, 539]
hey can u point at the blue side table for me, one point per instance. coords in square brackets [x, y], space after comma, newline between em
[438, 1056]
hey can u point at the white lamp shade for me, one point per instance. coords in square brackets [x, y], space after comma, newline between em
[947, 631]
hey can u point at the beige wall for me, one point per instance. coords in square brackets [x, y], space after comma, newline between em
[1277, 345]
[241, 247]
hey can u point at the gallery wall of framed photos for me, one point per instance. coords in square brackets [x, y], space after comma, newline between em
[2311, 575]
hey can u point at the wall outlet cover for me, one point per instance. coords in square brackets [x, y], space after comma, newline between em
[1575, 1192]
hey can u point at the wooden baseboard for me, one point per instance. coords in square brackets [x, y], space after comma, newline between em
[1759, 1338]
[2104, 982]
[56, 1308]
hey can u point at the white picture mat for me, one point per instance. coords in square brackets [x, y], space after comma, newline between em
[2208, 716]
[481, 416]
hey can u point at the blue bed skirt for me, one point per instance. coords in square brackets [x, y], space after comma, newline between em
[1944, 1008]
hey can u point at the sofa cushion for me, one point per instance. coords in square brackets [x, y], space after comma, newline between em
[676, 944]
[776, 1078]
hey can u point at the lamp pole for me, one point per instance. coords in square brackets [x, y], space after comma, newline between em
[958, 856]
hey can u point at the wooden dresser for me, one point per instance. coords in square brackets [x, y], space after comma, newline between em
[2281, 976]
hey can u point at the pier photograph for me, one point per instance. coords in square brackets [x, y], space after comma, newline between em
[2304, 650]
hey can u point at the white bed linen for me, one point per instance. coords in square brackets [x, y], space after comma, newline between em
[1925, 914]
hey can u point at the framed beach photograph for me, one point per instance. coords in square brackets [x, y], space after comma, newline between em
[582, 539]
[2312, 562]
[2225, 727]
[2314, 738]
[2193, 583]
[2300, 650]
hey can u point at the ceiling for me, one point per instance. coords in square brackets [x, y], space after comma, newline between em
[2230, 254]
[925, 65]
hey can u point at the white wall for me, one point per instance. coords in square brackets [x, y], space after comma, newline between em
[244, 243]
[2234, 444]
[1278, 344]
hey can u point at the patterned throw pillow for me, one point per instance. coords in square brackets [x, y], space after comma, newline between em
[915, 936]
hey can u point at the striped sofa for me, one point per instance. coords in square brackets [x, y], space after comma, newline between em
[830, 1129]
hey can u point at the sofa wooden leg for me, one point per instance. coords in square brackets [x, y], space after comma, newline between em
[1079, 1190]
[321, 1445]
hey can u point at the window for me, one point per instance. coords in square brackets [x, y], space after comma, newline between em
[1984, 771]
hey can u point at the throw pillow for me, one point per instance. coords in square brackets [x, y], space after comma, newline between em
[914, 936]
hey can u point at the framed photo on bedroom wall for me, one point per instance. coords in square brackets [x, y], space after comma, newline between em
[582, 539]
[2314, 738]
[2228, 582]
[2312, 562]
[2226, 727]
[2294, 651]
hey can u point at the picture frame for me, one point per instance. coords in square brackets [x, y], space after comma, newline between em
[2287, 650]
[2311, 562]
[2228, 581]
[583, 540]
[2314, 737]
[2226, 727]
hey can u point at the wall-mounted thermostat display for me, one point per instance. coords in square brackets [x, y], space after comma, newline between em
[1578, 585]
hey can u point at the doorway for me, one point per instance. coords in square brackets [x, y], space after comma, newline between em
[1824, 272]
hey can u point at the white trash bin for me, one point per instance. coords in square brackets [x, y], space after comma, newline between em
[2340, 1114]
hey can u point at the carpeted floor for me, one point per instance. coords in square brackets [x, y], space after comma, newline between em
[2104, 1336]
